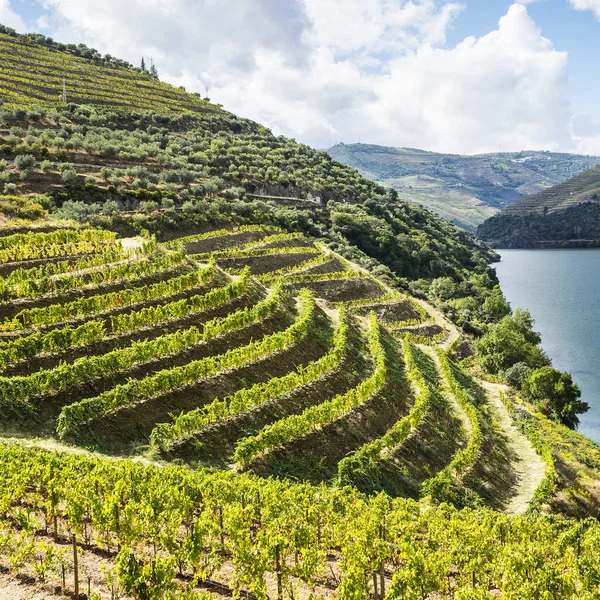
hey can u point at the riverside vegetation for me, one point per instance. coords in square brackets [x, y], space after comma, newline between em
[214, 386]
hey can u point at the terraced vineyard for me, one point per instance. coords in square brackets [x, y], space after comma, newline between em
[33, 74]
[246, 352]
[220, 378]
[564, 214]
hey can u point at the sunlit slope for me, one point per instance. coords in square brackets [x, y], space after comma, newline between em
[262, 355]
[581, 188]
[247, 347]
[32, 74]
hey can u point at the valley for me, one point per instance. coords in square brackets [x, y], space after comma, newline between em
[465, 190]
[231, 366]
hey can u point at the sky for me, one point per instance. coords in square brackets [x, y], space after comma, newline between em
[462, 76]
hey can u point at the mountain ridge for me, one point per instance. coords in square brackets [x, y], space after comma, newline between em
[567, 214]
[464, 189]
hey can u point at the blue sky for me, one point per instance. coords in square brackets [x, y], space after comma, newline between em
[463, 76]
[577, 32]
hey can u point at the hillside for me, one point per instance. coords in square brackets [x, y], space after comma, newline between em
[565, 214]
[34, 67]
[233, 367]
[466, 190]
[252, 350]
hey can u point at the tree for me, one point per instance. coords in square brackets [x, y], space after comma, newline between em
[510, 341]
[442, 288]
[24, 162]
[555, 394]
[153, 71]
[69, 176]
[392, 196]
[495, 307]
[143, 65]
[517, 375]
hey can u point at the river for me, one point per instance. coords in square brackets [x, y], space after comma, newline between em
[561, 290]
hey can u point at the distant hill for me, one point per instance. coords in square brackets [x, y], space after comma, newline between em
[565, 214]
[463, 189]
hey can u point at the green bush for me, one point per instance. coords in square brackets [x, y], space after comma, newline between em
[555, 394]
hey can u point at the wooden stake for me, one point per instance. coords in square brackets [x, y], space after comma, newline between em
[278, 569]
[222, 533]
[75, 567]
[382, 580]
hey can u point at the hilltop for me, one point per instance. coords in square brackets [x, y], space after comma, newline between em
[465, 190]
[35, 67]
[231, 366]
[565, 214]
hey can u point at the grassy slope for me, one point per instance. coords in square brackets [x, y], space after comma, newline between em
[463, 189]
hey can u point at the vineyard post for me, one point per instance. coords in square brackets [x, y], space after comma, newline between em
[381, 566]
[64, 579]
[278, 571]
[75, 567]
[221, 532]
[375, 592]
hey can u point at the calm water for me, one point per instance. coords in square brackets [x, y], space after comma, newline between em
[561, 289]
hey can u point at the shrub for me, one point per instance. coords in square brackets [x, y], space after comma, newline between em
[517, 374]
[25, 162]
[555, 394]
[69, 176]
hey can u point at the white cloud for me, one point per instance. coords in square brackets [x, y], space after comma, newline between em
[8, 17]
[326, 71]
[42, 22]
[593, 5]
[378, 25]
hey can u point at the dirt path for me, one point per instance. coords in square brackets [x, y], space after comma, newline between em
[451, 330]
[527, 463]
[132, 243]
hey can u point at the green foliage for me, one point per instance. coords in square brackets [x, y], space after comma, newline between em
[75, 415]
[369, 454]
[313, 417]
[187, 424]
[509, 342]
[555, 394]
[445, 484]
[33, 73]
[200, 519]
[517, 374]
[24, 161]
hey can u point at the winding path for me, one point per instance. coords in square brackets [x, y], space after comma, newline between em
[527, 463]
